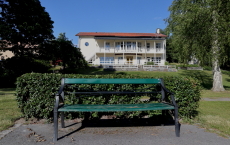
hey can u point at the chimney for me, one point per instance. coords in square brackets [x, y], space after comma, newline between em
[158, 30]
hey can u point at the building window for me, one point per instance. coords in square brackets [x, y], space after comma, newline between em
[104, 60]
[138, 60]
[120, 60]
[139, 44]
[86, 43]
[148, 45]
[148, 59]
[158, 45]
[123, 45]
[118, 45]
[134, 45]
[129, 45]
[156, 60]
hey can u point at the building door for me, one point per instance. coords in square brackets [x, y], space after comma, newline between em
[129, 60]
[138, 60]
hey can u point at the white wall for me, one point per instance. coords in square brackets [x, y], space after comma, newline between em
[87, 51]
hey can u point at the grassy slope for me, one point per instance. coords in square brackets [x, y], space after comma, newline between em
[8, 108]
[215, 116]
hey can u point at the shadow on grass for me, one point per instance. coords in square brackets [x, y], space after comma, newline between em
[204, 78]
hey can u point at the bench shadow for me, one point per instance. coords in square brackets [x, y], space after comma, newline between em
[152, 121]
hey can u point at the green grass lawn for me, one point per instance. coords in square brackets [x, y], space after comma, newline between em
[215, 117]
[8, 108]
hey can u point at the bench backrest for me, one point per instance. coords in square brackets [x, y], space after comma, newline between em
[67, 81]
[70, 81]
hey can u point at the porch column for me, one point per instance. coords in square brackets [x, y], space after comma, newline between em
[145, 52]
[95, 55]
[165, 49]
[114, 52]
[162, 47]
[123, 53]
[154, 53]
[104, 51]
[136, 54]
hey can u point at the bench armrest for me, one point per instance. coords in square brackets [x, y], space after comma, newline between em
[166, 90]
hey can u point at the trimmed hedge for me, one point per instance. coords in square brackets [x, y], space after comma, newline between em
[35, 94]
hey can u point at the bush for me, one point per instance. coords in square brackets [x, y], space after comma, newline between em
[35, 94]
[150, 63]
[166, 63]
[188, 65]
[209, 68]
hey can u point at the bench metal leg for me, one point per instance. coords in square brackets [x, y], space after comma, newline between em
[177, 124]
[163, 117]
[55, 126]
[62, 120]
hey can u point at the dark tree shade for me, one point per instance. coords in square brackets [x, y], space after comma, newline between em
[24, 24]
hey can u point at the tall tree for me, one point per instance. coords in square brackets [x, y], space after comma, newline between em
[200, 29]
[63, 49]
[24, 24]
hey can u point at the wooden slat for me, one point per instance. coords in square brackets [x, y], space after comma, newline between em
[110, 81]
[115, 107]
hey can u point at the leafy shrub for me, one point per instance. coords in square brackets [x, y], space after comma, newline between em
[166, 63]
[150, 63]
[35, 94]
[209, 68]
[188, 65]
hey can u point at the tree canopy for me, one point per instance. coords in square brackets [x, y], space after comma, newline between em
[24, 24]
[63, 49]
[200, 29]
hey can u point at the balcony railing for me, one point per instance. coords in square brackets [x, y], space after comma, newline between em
[140, 50]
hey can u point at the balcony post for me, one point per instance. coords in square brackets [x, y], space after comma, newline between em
[104, 51]
[136, 53]
[145, 53]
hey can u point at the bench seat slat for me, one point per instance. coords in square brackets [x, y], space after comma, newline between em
[111, 81]
[115, 107]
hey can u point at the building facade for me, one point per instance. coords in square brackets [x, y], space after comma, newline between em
[101, 48]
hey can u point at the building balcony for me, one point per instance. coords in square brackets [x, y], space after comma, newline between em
[140, 50]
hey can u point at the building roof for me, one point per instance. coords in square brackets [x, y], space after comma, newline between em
[111, 34]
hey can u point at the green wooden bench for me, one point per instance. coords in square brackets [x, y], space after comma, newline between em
[60, 106]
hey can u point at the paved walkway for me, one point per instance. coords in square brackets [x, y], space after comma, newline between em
[41, 134]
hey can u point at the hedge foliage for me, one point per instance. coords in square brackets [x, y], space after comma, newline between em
[35, 94]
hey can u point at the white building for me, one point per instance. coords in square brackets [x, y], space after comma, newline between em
[101, 48]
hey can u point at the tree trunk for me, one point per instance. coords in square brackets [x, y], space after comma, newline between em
[217, 76]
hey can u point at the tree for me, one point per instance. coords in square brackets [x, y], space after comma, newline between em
[171, 55]
[200, 29]
[24, 24]
[63, 49]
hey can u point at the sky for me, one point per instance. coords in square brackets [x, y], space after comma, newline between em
[131, 16]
